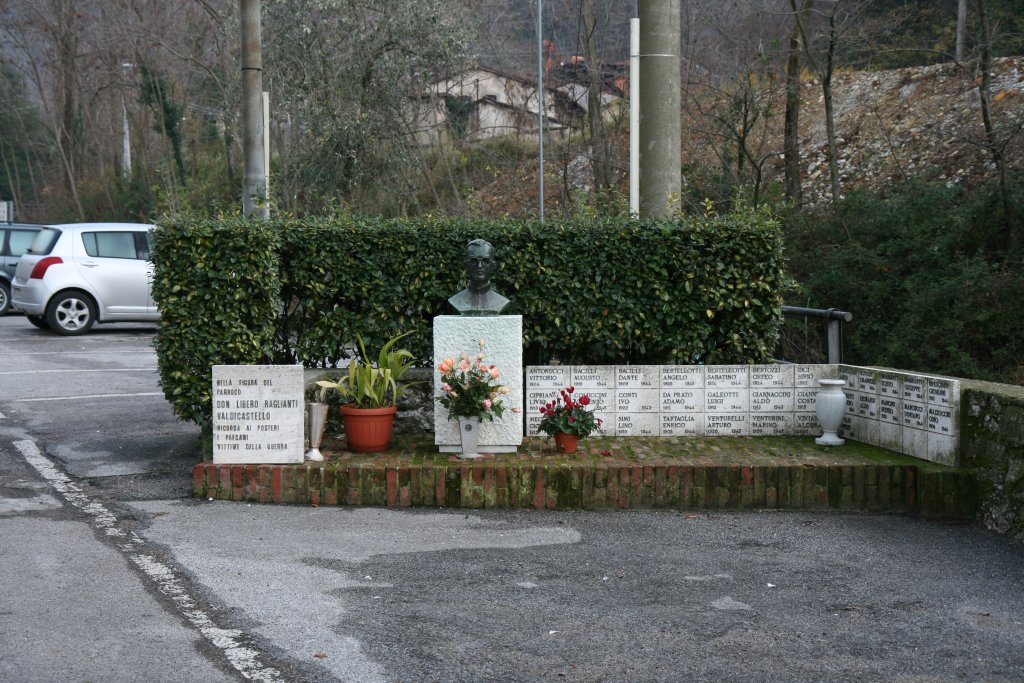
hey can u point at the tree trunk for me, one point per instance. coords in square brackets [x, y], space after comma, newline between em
[992, 143]
[598, 144]
[791, 145]
[830, 117]
[961, 30]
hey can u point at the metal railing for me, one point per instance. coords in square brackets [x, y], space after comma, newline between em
[834, 319]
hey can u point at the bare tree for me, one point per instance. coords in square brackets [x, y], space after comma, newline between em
[791, 132]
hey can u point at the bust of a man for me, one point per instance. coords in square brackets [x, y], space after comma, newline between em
[479, 298]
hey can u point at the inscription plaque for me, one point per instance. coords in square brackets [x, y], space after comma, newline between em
[257, 414]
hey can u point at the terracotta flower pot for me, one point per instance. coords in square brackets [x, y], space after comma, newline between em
[566, 443]
[368, 429]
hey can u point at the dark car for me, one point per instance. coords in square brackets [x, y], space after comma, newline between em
[14, 240]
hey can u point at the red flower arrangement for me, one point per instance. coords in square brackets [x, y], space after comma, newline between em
[569, 415]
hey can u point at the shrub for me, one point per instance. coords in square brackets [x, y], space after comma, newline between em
[928, 275]
[610, 290]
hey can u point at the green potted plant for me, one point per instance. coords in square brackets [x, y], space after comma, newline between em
[568, 420]
[370, 391]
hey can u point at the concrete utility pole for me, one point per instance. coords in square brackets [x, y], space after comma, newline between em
[254, 182]
[660, 126]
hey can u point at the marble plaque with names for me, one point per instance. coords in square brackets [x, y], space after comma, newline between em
[941, 392]
[726, 376]
[867, 381]
[914, 416]
[940, 420]
[547, 377]
[593, 376]
[727, 424]
[638, 377]
[890, 384]
[682, 424]
[773, 400]
[637, 400]
[637, 424]
[726, 400]
[890, 409]
[682, 400]
[771, 424]
[806, 399]
[258, 414]
[848, 375]
[682, 377]
[914, 388]
[769, 376]
[867, 404]
[808, 375]
[601, 400]
[806, 424]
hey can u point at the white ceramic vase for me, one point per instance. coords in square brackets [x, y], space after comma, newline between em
[317, 422]
[830, 406]
[469, 435]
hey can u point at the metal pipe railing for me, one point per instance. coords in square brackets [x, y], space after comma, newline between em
[834, 320]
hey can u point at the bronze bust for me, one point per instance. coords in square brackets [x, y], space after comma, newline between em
[479, 299]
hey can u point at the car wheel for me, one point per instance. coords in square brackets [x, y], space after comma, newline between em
[39, 321]
[5, 298]
[71, 313]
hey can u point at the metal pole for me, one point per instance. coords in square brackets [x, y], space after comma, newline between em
[634, 116]
[540, 102]
[254, 180]
[660, 125]
[126, 152]
[835, 341]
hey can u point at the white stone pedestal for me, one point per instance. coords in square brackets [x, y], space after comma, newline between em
[503, 334]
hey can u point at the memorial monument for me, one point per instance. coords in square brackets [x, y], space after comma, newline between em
[480, 318]
[478, 299]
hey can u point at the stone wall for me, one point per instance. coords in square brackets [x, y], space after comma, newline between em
[992, 444]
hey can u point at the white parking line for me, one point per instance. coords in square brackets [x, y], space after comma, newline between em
[75, 371]
[76, 398]
[167, 580]
[79, 353]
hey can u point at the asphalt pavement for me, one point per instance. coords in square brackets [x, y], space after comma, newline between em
[109, 571]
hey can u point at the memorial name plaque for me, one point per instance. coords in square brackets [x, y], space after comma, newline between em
[682, 400]
[913, 389]
[638, 377]
[682, 377]
[771, 376]
[777, 400]
[889, 385]
[687, 400]
[257, 414]
[547, 377]
[727, 377]
[905, 412]
[593, 377]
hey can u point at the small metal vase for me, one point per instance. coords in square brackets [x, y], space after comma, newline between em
[317, 421]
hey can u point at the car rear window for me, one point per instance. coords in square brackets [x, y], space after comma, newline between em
[110, 244]
[44, 241]
[20, 241]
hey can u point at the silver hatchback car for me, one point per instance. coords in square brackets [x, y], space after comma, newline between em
[73, 276]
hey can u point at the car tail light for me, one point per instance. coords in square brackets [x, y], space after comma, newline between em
[40, 270]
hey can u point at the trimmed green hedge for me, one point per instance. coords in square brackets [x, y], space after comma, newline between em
[217, 289]
[697, 290]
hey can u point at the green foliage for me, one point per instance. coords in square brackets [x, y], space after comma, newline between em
[374, 385]
[216, 286]
[590, 290]
[929, 274]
